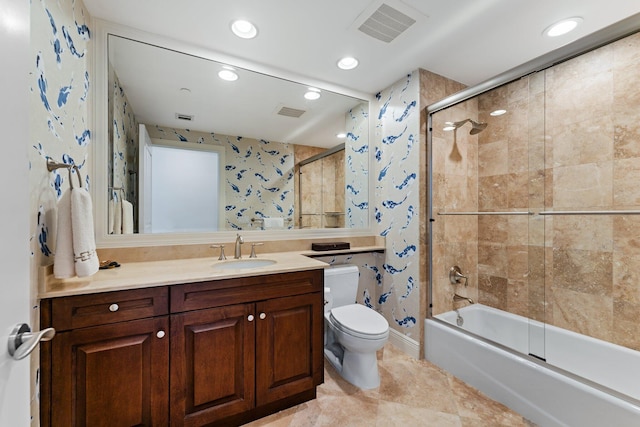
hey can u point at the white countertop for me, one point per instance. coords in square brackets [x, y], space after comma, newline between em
[136, 275]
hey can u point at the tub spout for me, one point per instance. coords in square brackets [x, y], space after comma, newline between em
[457, 298]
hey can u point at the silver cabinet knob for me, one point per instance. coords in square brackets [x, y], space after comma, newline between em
[263, 316]
[114, 307]
[160, 334]
[250, 318]
[22, 341]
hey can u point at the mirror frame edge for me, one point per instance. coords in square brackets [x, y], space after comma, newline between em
[99, 120]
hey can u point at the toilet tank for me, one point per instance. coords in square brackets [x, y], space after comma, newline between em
[342, 281]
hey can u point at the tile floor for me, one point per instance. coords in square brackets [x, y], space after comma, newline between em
[411, 393]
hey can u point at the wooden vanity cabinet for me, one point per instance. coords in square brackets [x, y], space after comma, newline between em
[212, 353]
[108, 364]
[244, 348]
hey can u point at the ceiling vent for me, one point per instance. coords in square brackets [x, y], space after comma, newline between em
[386, 23]
[290, 112]
[185, 117]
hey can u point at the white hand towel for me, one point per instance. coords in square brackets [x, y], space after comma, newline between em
[63, 264]
[115, 217]
[273, 223]
[127, 217]
[83, 233]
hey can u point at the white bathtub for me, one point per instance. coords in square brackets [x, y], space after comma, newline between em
[545, 394]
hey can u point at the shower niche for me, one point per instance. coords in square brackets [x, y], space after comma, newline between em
[321, 190]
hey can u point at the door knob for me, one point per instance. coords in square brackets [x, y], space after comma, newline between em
[22, 341]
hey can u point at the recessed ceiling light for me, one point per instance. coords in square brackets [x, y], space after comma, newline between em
[348, 63]
[497, 112]
[448, 128]
[228, 74]
[562, 27]
[341, 135]
[312, 94]
[244, 29]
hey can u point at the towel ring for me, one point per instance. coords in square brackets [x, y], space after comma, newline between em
[71, 178]
[51, 166]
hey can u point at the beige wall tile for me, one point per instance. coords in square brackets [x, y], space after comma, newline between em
[587, 272]
[493, 193]
[626, 176]
[583, 186]
[594, 233]
[583, 313]
[492, 291]
[493, 158]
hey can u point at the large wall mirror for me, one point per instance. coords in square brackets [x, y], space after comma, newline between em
[162, 107]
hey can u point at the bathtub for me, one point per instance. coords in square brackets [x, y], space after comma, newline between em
[585, 382]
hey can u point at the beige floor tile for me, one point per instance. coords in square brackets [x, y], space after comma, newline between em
[411, 393]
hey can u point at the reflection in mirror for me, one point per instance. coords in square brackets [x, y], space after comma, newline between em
[322, 190]
[262, 126]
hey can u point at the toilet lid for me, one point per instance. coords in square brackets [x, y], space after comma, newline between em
[360, 319]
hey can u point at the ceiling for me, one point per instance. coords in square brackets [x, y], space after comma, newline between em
[469, 41]
[466, 40]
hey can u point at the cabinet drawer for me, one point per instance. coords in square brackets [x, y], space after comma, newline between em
[196, 296]
[108, 307]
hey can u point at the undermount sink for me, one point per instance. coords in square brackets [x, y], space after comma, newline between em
[243, 264]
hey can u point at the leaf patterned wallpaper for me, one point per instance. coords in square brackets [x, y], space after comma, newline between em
[396, 167]
[60, 96]
[258, 177]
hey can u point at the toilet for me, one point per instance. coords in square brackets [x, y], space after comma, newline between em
[353, 332]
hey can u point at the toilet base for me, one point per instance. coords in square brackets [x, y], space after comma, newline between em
[360, 369]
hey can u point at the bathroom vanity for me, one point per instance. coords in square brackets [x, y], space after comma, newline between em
[222, 351]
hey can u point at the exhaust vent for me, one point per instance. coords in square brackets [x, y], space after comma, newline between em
[290, 112]
[386, 23]
[185, 117]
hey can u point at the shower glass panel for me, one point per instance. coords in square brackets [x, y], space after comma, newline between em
[322, 190]
[535, 196]
[485, 165]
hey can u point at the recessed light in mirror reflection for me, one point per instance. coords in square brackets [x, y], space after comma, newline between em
[312, 94]
[228, 75]
[497, 112]
[244, 29]
[562, 27]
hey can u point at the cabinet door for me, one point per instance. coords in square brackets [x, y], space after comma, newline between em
[113, 375]
[212, 364]
[289, 340]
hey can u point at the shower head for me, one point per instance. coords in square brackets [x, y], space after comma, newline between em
[476, 127]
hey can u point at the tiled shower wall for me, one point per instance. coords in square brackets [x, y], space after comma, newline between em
[593, 155]
[569, 142]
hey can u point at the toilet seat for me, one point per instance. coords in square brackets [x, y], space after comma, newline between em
[360, 321]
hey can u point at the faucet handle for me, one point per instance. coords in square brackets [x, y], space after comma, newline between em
[253, 249]
[222, 256]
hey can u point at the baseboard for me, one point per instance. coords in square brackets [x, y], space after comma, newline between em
[404, 343]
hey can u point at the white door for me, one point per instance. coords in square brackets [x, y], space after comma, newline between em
[14, 209]
[144, 182]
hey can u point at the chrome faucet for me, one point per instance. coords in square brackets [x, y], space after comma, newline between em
[238, 251]
[457, 298]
